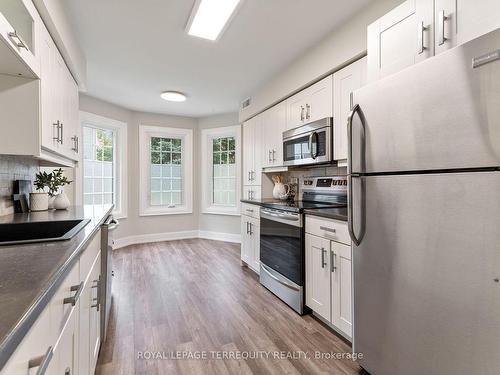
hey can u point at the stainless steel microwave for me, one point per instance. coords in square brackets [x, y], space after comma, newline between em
[309, 144]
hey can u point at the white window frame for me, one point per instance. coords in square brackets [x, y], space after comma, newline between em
[145, 134]
[207, 135]
[120, 158]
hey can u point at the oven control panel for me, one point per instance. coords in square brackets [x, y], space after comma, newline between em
[328, 183]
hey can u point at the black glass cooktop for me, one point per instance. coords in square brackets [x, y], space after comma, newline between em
[299, 206]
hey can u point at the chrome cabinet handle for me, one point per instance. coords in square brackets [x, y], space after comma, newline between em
[274, 156]
[247, 227]
[420, 37]
[58, 128]
[308, 111]
[323, 252]
[62, 134]
[269, 158]
[328, 229]
[20, 43]
[441, 20]
[41, 362]
[248, 210]
[75, 143]
[251, 229]
[301, 113]
[333, 256]
[74, 299]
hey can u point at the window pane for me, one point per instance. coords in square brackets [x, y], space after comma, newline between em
[98, 165]
[224, 171]
[166, 153]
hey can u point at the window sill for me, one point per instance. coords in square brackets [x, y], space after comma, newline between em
[211, 211]
[162, 213]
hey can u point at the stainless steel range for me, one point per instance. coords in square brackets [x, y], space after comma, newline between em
[282, 255]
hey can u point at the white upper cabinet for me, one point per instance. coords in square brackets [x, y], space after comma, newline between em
[476, 18]
[59, 102]
[311, 104]
[252, 146]
[400, 38]
[345, 81]
[419, 29]
[19, 28]
[273, 126]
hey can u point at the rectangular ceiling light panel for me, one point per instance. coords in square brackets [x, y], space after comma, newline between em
[209, 18]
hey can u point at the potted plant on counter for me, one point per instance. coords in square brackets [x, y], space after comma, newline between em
[57, 181]
[39, 200]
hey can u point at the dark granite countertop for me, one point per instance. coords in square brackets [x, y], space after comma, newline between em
[31, 273]
[338, 213]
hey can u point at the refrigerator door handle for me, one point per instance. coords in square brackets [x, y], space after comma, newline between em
[350, 218]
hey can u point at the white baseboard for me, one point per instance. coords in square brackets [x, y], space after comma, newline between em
[171, 236]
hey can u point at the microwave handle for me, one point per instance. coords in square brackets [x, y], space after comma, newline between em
[311, 136]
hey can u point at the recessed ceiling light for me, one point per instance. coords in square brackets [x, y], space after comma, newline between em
[210, 17]
[173, 96]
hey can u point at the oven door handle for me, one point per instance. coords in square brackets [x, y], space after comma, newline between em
[270, 216]
[266, 270]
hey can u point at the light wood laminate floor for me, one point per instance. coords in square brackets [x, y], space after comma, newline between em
[194, 298]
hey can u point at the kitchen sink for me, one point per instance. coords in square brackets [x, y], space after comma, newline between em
[42, 231]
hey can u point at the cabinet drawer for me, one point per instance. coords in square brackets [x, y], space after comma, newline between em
[88, 256]
[251, 210]
[35, 344]
[64, 301]
[334, 230]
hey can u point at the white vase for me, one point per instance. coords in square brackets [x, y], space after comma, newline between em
[39, 201]
[61, 202]
[51, 201]
[280, 191]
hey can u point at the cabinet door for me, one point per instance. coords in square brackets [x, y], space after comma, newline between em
[255, 239]
[67, 349]
[273, 125]
[319, 100]
[251, 192]
[318, 275]
[95, 323]
[246, 243]
[88, 332]
[47, 92]
[400, 38]
[445, 25]
[345, 81]
[258, 137]
[341, 287]
[476, 18]
[248, 151]
[296, 110]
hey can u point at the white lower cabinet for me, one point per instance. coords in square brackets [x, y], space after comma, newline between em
[250, 241]
[66, 336]
[328, 274]
[318, 275]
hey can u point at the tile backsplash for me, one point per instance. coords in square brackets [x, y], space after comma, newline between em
[14, 168]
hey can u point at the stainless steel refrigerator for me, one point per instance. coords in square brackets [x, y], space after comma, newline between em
[424, 203]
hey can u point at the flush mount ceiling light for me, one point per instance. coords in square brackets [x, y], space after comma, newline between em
[209, 18]
[173, 96]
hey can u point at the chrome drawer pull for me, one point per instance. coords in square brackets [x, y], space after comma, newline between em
[74, 299]
[326, 229]
[323, 252]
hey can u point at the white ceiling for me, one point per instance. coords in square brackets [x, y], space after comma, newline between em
[137, 49]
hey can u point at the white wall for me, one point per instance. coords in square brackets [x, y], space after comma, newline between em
[343, 45]
[135, 225]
